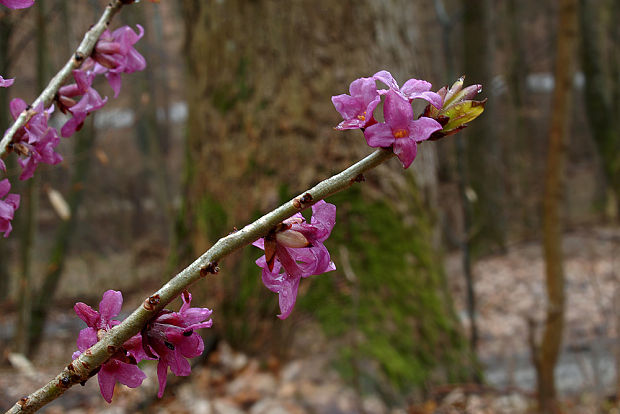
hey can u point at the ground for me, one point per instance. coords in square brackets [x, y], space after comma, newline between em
[511, 301]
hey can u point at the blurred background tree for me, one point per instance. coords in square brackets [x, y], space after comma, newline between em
[257, 135]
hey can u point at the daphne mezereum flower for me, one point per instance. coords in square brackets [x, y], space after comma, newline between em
[295, 249]
[122, 366]
[17, 4]
[400, 130]
[358, 107]
[8, 204]
[90, 101]
[171, 338]
[114, 54]
[5, 83]
[36, 141]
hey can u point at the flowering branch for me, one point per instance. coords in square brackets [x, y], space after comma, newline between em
[85, 366]
[83, 51]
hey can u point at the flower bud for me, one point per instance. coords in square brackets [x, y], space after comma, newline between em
[458, 108]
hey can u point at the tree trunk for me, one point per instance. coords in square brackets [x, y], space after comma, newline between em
[483, 149]
[447, 23]
[554, 185]
[30, 205]
[6, 30]
[598, 94]
[260, 77]
[42, 302]
[150, 91]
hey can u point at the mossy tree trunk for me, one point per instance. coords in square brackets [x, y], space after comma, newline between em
[260, 76]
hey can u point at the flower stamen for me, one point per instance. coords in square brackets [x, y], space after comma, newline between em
[400, 133]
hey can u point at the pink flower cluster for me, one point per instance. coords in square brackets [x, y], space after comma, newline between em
[170, 337]
[400, 129]
[114, 54]
[295, 250]
[35, 142]
[8, 204]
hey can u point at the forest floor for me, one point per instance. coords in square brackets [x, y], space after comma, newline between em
[510, 294]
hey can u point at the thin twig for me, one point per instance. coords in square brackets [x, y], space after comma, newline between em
[83, 51]
[82, 368]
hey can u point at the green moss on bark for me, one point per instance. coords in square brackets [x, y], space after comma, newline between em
[396, 304]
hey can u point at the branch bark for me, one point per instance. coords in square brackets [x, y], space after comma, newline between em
[82, 368]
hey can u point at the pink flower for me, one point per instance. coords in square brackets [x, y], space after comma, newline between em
[90, 102]
[400, 130]
[295, 249]
[7, 206]
[17, 4]
[358, 107]
[114, 54]
[171, 337]
[412, 89]
[122, 366]
[5, 83]
[36, 141]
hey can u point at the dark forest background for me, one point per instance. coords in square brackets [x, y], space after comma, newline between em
[233, 117]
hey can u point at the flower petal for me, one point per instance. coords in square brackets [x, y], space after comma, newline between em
[406, 150]
[106, 383]
[422, 128]
[162, 376]
[128, 374]
[290, 265]
[387, 78]
[110, 305]
[347, 106]
[17, 4]
[379, 135]
[5, 83]
[287, 296]
[5, 187]
[86, 313]
[323, 218]
[415, 86]
[397, 111]
[16, 107]
[86, 338]
[364, 89]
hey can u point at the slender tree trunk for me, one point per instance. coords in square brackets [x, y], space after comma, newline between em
[30, 209]
[552, 223]
[82, 154]
[521, 141]
[598, 93]
[614, 56]
[484, 151]
[151, 134]
[447, 23]
[6, 29]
